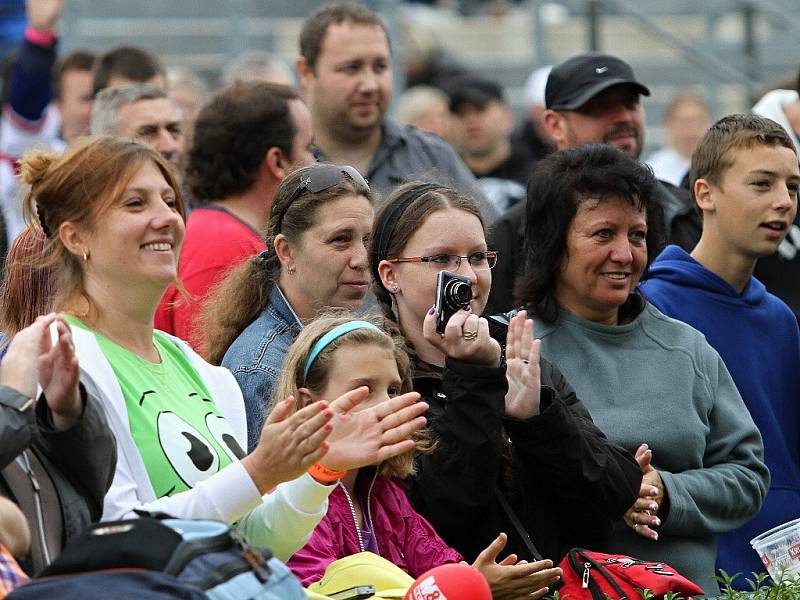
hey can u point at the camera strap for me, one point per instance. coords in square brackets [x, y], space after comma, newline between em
[521, 531]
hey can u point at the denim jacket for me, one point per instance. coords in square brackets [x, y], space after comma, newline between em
[256, 358]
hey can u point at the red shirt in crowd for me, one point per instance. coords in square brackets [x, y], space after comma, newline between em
[216, 241]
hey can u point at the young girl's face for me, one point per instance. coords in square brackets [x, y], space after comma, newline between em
[356, 365]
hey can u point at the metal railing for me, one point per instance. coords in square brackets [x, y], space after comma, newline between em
[747, 63]
[694, 53]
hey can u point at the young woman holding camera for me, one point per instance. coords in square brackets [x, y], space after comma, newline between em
[511, 435]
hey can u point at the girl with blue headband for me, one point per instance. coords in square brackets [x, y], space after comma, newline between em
[369, 510]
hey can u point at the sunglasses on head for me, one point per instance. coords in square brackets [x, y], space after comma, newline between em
[320, 178]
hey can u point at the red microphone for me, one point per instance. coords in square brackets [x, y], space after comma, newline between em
[450, 582]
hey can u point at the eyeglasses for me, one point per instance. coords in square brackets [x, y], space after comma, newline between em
[479, 261]
[320, 178]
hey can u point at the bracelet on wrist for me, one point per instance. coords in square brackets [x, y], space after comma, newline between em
[40, 37]
[324, 474]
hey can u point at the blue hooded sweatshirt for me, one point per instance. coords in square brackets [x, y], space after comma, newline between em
[757, 336]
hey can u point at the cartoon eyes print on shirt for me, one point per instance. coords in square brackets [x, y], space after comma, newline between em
[187, 451]
[222, 432]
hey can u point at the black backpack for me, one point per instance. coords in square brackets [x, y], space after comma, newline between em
[170, 558]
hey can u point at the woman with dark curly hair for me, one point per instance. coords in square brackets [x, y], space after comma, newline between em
[652, 384]
[512, 437]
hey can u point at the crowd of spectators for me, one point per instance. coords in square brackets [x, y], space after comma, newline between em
[225, 304]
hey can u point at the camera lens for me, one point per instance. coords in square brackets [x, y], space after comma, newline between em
[457, 294]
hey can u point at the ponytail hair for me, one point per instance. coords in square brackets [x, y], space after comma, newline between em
[235, 302]
[244, 293]
[28, 283]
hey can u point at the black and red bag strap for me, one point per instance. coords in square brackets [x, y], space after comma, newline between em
[580, 561]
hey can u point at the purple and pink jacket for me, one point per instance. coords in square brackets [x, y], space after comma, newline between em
[403, 536]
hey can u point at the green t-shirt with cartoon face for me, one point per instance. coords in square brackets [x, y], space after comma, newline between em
[179, 431]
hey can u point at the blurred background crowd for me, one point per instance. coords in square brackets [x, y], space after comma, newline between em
[234, 113]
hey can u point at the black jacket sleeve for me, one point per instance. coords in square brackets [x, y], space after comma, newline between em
[682, 222]
[594, 480]
[454, 485]
[86, 454]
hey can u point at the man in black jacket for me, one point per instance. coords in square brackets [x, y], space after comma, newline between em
[591, 98]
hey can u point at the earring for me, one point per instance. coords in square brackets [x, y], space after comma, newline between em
[395, 289]
[291, 270]
[85, 255]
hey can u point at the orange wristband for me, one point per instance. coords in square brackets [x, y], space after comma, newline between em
[324, 474]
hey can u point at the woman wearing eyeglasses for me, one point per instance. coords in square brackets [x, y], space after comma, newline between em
[320, 220]
[510, 430]
[113, 215]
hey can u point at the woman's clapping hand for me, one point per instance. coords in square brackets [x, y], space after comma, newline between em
[510, 579]
[290, 443]
[367, 437]
[522, 368]
[336, 434]
[642, 517]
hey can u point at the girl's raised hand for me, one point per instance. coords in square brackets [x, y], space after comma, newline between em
[522, 368]
[367, 437]
[466, 338]
[289, 445]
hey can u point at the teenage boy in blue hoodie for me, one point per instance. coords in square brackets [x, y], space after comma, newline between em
[744, 178]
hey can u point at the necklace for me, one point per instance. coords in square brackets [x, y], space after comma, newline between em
[355, 518]
[160, 371]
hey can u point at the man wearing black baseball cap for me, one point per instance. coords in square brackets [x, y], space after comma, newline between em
[591, 98]
[595, 98]
[486, 121]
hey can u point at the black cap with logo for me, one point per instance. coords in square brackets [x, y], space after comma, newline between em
[580, 78]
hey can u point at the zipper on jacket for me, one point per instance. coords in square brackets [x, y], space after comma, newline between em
[37, 500]
[369, 511]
